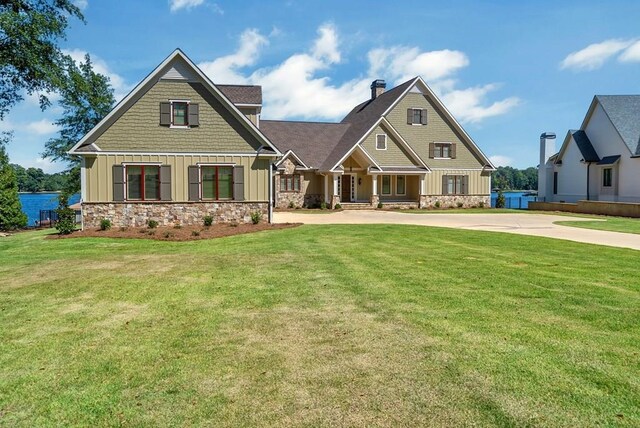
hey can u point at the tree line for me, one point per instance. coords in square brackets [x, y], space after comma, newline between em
[32, 63]
[508, 178]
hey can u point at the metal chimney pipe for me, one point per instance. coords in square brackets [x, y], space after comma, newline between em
[545, 171]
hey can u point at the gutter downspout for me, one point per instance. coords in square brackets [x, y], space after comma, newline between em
[270, 209]
[588, 165]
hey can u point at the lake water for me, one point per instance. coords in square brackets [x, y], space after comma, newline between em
[515, 200]
[32, 203]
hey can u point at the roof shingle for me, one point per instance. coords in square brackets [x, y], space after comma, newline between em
[242, 94]
[624, 113]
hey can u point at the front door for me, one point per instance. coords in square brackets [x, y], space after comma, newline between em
[346, 189]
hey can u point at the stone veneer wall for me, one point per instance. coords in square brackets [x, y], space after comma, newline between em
[127, 214]
[299, 199]
[451, 201]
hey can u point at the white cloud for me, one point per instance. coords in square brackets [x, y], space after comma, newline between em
[594, 55]
[119, 85]
[46, 165]
[296, 88]
[499, 160]
[631, 54]
[217, 9]
[225, 69]
[82, 4]
[176, 5]
[41, 127]
[467, 104]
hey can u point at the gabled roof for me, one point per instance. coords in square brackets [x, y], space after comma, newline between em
[291, 154]
[582, 142]
[312, 142]
[242, 94]
[609, 160]
[177, 56]
[624, 113]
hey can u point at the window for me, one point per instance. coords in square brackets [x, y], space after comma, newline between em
[455, 184]
[179, 113]
[607, 176]
[386, 185]
[442, 150]
[290, 183]
[381, 142]
[217, 182]
[400, 185]
[417, 116]
[143, 182]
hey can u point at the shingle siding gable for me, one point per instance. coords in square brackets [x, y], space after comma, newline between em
[139, 130]
[438, 129]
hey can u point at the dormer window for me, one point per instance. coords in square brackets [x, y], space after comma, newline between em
[179, 114]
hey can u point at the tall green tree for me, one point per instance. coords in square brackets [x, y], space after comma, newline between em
[86, 99]
[30, 59]
[11, 215]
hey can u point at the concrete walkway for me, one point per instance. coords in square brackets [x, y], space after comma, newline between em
[518, 223]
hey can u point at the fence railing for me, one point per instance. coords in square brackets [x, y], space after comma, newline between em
[514, 202]
[49, 218]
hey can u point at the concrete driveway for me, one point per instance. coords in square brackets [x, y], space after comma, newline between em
[518, 223]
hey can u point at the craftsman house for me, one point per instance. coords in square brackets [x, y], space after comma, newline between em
[180, 147]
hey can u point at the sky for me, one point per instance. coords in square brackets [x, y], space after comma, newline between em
[507, 70]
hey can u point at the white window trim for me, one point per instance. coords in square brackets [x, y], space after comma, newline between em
[405, 185]
[390, 185]
[421, 109]
[385, 141]
[449, 143]
[187, 118]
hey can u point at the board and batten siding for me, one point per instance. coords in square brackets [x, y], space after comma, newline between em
[479, 181]
[394, 155]
[437, 129]
[138, 129]
[99, 179]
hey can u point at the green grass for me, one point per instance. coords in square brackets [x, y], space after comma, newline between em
[319, 326]
[613, 224]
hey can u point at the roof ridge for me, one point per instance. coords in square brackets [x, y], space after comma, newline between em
[302, 121]
[242, 86]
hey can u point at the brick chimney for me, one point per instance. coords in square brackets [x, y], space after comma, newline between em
[377, 88]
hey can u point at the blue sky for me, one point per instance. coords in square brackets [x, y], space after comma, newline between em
[507, 70]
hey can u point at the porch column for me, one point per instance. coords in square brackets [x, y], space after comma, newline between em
[335, 199]
[375, 199]
[326, 189]
[422, 198]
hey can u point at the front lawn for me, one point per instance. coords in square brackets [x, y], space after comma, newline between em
[336, 325]
[613, 224]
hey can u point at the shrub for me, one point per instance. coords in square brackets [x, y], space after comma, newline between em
[105, 224]
[292, 205]
[152, 224]
[123, 229]
[142, 231]
[500, 200]
[66, 220]
[323, 205]
[460, 204]
[208, 220]
[168, 235]
[256, 216]
[195, 233]
[338, 206]
[481, 204]
[437, 204]
[151, 232]
[380, 205]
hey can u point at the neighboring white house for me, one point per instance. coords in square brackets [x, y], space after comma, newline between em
[601, 160]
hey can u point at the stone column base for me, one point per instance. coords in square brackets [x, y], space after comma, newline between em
[335, 200]
[374, 200]
[422, 201]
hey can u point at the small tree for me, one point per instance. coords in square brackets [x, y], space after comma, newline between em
[66, 216]
[500, 200]
[11, 215]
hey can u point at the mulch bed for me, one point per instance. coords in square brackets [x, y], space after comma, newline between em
[170, 233]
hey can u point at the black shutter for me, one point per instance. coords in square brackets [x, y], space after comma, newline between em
[194, 183]
[423, 116]
[445, 184]
[452, 151]
[165, 183]
[410, 116]
[165, 114]
[118, 183]
[194, 115]
[238, 183]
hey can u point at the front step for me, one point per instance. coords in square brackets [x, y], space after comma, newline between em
[356, 206]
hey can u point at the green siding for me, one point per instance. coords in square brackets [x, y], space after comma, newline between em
[395, 155]
[139, 130]
[438, 129]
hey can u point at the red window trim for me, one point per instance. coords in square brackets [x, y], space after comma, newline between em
[142, 183]
[217, 198]
[293, 186]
